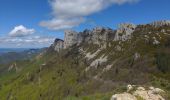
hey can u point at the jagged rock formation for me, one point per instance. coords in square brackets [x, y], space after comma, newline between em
[71, 38]
[59, 45]
[124, 32]
[101, 36]
[98, 36]
[161, 23]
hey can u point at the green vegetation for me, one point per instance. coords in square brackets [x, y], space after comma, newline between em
[163, 62]
[63, 75]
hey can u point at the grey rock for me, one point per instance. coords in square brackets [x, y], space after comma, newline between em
[124, 32]
[161, 23]
[58, 45]
[123, 96]
[134, 91]
[71, 38]
[98, 35]
[102, 36]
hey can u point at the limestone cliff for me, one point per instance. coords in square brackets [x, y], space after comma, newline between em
[71, 38]
[124, 32]
[101, 35]
[57, 45]
[161, 23]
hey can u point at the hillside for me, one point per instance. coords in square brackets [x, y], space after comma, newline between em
[6, 50]
[8, 57]
[15, 56]
[95, 64]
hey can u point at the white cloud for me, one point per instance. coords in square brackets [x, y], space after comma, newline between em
[70, 13]
[120, 2]
[21, 31]
[30, 41]
[58, 24]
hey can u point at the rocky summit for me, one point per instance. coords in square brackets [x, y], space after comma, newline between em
[161, 23]
[101, 35]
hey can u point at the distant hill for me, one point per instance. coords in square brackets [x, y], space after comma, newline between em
[6, 50]
[9, 55]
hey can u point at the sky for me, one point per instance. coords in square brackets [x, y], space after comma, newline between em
[36, 23]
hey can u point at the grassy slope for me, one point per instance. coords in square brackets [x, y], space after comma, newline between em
[63, 76]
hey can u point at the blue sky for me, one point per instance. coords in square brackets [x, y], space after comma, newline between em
[36, 23]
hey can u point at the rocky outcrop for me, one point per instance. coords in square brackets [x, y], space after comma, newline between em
[71, 38]
[123, 96]
[58, 45]
[98, 35]
[150, 94]
[135, 93]
[124, 32]
[101, 35]
[161, 23]
[13, 66]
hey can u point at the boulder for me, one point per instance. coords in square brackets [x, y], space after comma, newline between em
[139, 92]
[123, 96]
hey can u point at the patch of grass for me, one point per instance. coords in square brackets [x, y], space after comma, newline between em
[163, 61]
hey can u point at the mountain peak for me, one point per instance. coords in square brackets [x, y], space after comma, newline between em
[161, 23]
[101, 35]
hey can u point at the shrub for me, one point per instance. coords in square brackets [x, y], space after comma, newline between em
[163, 62]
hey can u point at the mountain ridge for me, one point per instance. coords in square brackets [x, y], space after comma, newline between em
[94, 65]
[123, 33]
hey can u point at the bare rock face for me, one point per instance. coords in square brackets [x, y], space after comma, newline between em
[134, 93]
[84, 36]
[71, 38]
[58, 45]
[124, 32]
[101, 35]
[98, 35]
[161, 23]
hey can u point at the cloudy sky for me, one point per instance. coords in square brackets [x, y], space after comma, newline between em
[36, 23]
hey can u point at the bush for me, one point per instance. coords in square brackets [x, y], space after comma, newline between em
[163, 62]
